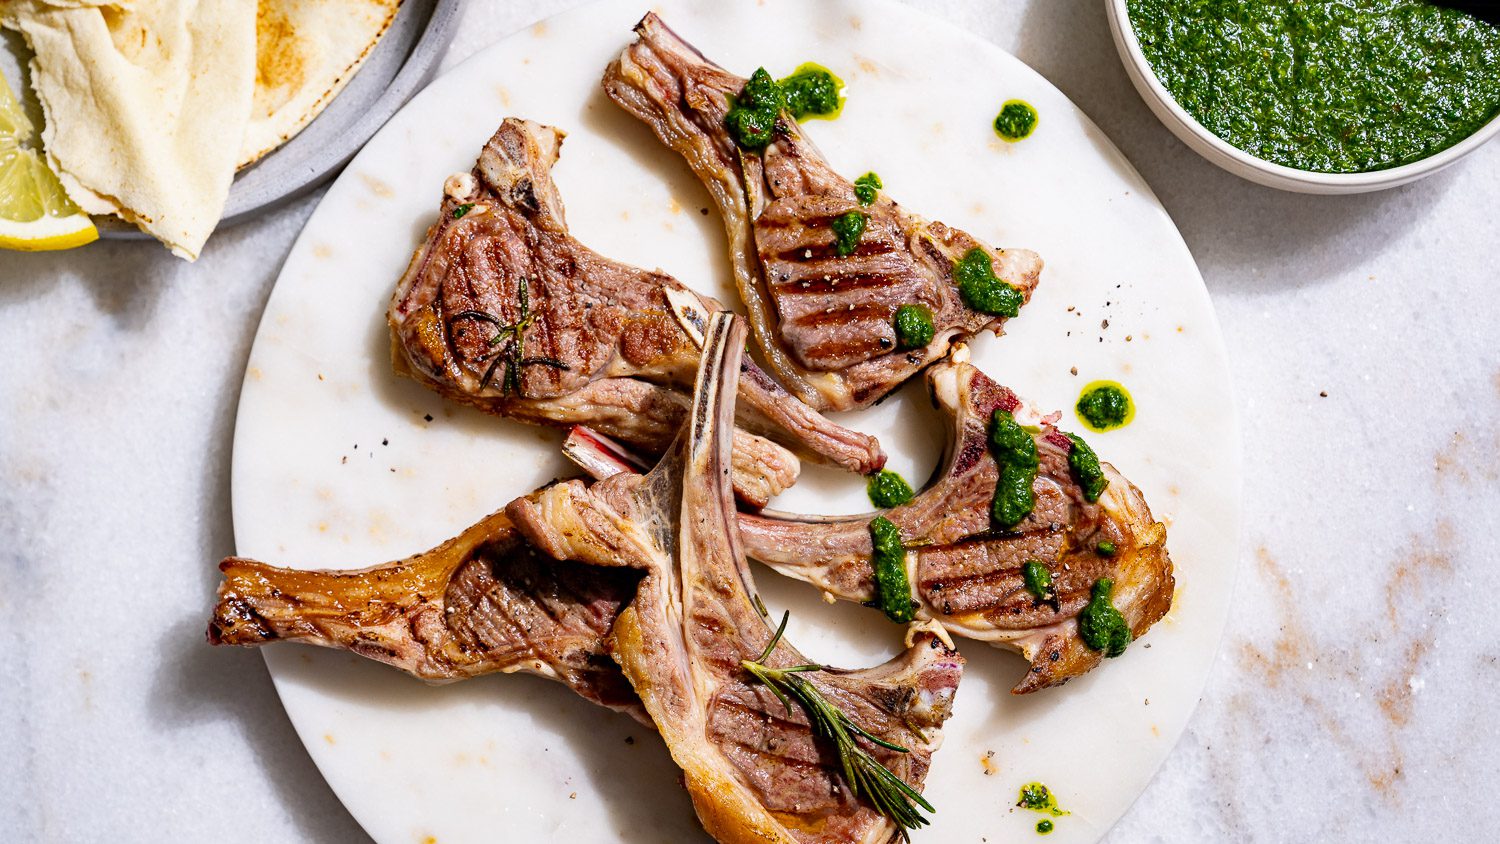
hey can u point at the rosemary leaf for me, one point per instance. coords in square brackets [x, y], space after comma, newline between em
[866, 777]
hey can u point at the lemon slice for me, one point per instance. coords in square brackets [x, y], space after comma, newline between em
[35, 212]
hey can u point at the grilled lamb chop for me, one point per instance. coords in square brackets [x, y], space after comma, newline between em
[479, 603]
[966, 576]
[755, 769]
[503, 309]
[824, 321]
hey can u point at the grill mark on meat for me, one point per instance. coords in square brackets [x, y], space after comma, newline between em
[967, 577]
[841, 316]
[479, 603]
[752, 767]
[776, 205]
[827, 282]
[597, 333]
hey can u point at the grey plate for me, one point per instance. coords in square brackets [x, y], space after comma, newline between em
[400, 65]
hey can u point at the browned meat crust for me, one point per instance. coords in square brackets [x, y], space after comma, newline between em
[503, 309]
[823, 321]
[479, 603]
[754, 769]
[969, 578]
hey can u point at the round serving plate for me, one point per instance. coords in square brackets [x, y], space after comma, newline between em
[338, 463]
[402, 62]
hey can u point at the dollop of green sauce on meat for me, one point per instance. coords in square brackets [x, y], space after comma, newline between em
[981, 289]
[1104, 406]
[1015, 453]
[1100, 625]
[1083, 466]
[892, 586]
[1016, 120]
[914, 329]
[752, 117]
[847, 230]
[1331, 86]
[813, 91]
[1038, 580]
[867, 188]
[888, 489]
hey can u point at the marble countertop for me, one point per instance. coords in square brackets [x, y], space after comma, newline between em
[1352, 692]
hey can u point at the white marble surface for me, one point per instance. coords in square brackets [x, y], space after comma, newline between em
[1353, 691]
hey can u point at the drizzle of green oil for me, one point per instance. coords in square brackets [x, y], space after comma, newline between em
[1016, 120]
[1104, 406]
[888, 489]
[1043, 827]
[1039, 798]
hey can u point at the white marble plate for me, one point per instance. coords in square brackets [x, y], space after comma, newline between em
[337, 463]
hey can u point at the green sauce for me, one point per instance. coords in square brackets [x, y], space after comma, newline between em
[1015, 452]
[1039, 798]
[1100, 625]
[1104, 406]
[847, 230]
[752, 117]
[1016, 120]
[892, 588]
[1105, 548]
[981, 289]
[1083, 465]
[1043, 826]
[866, 188]
[1038, 580]
[813, 91]
[1333, 86]
[914, 328]
[888, 489]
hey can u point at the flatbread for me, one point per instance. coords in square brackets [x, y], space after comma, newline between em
[146, 106]
[306, 51]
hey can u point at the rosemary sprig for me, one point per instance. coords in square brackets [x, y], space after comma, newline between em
[867, 778]
[511, 342]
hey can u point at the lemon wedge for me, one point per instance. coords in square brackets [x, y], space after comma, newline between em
[35, 212]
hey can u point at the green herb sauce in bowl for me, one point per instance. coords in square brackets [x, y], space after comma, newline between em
[1319, 95]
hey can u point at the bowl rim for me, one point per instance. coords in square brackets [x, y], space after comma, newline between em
[1145, 78]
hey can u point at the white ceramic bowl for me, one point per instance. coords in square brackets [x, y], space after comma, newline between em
[1247, 166]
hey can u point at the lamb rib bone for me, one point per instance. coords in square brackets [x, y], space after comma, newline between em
[480, 603]
[963, 576]
[823, 321]
[754, 769]
[503, 309]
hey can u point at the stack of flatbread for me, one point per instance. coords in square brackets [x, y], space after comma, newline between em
[152, 105]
